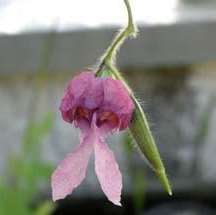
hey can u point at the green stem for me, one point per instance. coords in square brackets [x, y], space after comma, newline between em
[129, 30]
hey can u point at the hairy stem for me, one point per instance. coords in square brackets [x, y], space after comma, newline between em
[110, 53]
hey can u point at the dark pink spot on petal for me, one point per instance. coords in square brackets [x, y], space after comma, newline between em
[108, 120]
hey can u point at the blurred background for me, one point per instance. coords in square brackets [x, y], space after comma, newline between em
[171, 67]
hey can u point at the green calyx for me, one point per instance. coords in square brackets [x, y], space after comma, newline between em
[141, 132]
[105, 73]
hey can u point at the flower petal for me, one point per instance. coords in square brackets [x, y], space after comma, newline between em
[72, 170]
[108, 172]
[118, 101]
[74, 94]
[85, 91]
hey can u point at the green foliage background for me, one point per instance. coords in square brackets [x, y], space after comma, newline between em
[27, 173]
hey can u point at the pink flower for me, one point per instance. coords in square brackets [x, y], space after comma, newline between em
[97, 106]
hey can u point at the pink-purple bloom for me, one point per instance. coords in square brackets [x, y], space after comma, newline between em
[97, 106]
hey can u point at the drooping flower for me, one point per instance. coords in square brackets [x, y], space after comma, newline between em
[97, 106]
